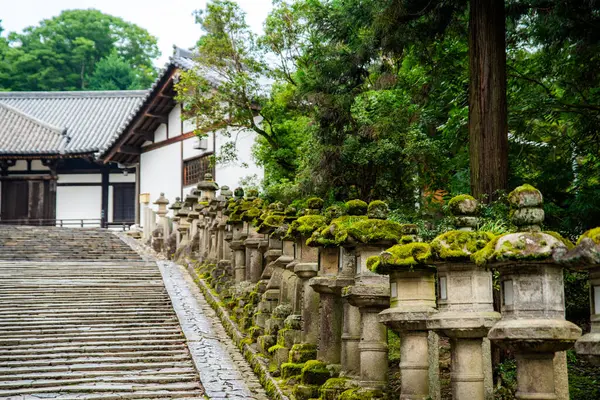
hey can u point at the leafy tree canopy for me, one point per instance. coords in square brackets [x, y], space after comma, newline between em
[61, 53]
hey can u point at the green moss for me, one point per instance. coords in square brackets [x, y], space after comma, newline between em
[524, 246]
[270, 222]
[376, 230]
[314, 203]
[525, 196]
[360, 394]
[378, 209]
[564, 240]
[457, 245]
[306, 225]
[336, 233]
[315, 372]
[335, 211]
[593, 234]
[302, 352]
[407, 239]
[251, 214]
[356, 207]
[455, 202]
[273, 349]
[401, 255]
[289, 370]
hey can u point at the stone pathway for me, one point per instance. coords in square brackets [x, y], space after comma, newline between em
[224, 372]
[90, 330]
[109, 329]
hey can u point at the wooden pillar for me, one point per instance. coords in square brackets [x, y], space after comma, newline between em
[105, 183]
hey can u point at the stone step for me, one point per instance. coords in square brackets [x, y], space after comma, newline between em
[92, 360]
[107, 354]
[60, 381]
[68, 331]
[42, 345]
[82, 327]
[83, 348]
[4, 341]
[167, 372]
[95, 367]
[166, 388]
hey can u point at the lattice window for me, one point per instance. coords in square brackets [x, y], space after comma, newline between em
[195, 168]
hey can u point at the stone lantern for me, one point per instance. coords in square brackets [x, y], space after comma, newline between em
[412, 303]
[307, 268]
[176, 207]
[586, 257]
[533, 324]
[163, 231]
[465, 302]
[208, 187]
[371, 293]
[191, 200]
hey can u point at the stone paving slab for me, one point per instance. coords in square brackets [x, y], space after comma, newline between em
[224, 372]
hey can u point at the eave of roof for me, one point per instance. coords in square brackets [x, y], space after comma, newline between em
[91, 117]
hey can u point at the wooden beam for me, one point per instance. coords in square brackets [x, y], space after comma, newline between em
[161, 118]
[129, 150]
[149, 136]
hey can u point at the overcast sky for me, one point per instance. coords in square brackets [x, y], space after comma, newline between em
[171, 21]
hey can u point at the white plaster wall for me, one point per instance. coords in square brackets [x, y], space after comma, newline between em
[79, 178]
[121, 178]
[190, 152]
[175, 121]
[188, 126]
[230, 174]
[20, 165]
[160, 172]
[37, 165]
[79, 202]
[160, 134]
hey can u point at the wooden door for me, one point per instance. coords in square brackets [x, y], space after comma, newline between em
[28, 201]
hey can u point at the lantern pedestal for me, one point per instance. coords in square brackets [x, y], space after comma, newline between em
[412, 303]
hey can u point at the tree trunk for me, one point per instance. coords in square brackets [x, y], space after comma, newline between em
[488, 127]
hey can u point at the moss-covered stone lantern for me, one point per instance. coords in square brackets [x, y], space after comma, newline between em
[465, 301]
[586, 257]
[307, 268]
[533, 324]
[413, 301]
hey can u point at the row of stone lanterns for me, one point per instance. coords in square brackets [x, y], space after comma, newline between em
[314, 291]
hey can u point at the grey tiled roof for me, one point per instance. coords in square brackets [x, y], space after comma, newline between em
[22, 134]
[182, 59]
[92, 119]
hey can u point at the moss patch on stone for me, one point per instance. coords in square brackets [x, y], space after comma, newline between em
[315, 372]
[459, 245]
[593, 234]
[336, 233]
[521, 246]
[356, 207]
[376, 230]
[306, 225]
[302, 352]
[315, 203]
[455, 203]
[289, 370]
[400, 256]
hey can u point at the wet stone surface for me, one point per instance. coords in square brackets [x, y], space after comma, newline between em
[224, 372]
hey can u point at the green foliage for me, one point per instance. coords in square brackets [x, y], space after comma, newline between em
[114, 73]
[62, 53]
